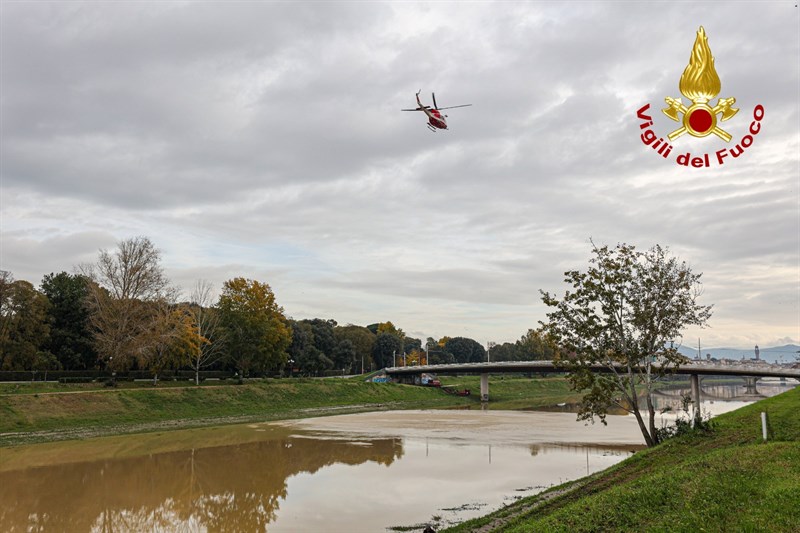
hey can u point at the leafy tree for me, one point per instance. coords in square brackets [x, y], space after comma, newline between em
[388, 327]
[25, 329]
[387, 346]
[6, 307]
[256, 330]
[304, 352]
[363, 341]
[436, 354]
[344, 356]
[324, 339]
[71, 338]
[174, 340]
[465, 350]
[124, 283]
[533, 346]
[508, 351]
[411, 344]
[414, 357]
[622, 313]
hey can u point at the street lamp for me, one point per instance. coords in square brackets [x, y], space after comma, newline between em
[489, 346]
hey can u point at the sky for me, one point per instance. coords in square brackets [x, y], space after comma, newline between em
[265, 140]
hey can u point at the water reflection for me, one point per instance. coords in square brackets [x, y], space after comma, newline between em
[225, 488]
[715, 398]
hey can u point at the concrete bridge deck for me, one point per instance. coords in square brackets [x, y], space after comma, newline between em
[694, 369]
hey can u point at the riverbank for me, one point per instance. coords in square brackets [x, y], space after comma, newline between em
[50, 412]
[725, 480]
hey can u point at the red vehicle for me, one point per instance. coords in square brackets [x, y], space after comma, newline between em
[436, 120]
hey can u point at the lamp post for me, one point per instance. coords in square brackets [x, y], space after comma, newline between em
[489, 346]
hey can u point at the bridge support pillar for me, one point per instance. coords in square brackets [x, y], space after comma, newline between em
[484, 387]
[750, 385]
[695, 379]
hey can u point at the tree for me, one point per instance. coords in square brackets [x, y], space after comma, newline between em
[324, 339]
[173, 340]
[256, 330]
[363, 341]
[25, 330]
[123, 283]
[507, 351]
[387, 347]
[465, 350]
[624, 313]
[6, 316]
[304, 352]
[206, 323]
[344, 356]
[534, 345]
[70, 334]
[411, 344]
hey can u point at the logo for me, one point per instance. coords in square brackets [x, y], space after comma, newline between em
[699, 83]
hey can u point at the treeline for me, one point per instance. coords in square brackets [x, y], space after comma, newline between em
[121, 313]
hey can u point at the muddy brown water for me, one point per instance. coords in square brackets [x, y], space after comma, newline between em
[349, 473]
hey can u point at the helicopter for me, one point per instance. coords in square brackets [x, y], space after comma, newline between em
[436, 120]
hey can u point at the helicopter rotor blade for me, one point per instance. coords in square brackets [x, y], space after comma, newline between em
[433, 95]
[454, 106]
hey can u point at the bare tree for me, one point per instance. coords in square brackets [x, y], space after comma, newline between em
[206, 323]
[125, 285]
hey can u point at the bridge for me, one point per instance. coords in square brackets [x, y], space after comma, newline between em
[694, 369]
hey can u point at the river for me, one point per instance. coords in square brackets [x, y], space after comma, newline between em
[350, 473]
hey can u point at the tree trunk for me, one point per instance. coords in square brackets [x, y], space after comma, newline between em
[197, 376]
[647, 438]
[651, 410]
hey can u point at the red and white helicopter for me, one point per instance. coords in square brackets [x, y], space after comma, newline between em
[436, 120]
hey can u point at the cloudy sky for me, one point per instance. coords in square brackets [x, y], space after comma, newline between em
[265, 140]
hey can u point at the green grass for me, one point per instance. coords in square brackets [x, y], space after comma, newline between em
[80, 410]
[725, 480]
[516, 393]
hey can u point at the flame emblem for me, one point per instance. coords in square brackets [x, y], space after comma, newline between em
[700, 84]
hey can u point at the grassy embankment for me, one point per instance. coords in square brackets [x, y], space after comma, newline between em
[726, 480]
[43, 412]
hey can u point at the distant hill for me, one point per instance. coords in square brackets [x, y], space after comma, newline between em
[774, 354]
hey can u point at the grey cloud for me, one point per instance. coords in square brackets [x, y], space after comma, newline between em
[265, 139]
